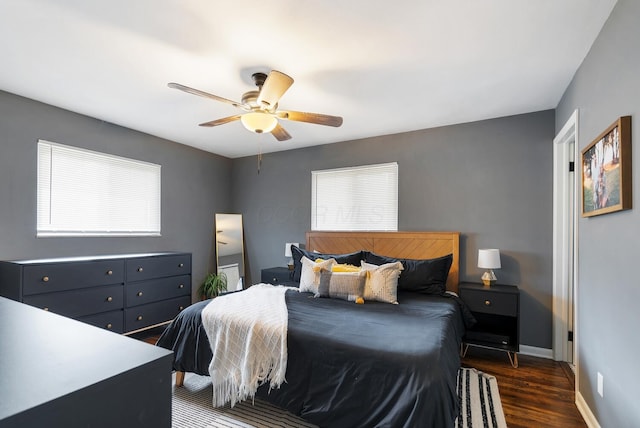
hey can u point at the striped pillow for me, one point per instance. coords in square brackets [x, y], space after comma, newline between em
[310, 276]
[342, 285]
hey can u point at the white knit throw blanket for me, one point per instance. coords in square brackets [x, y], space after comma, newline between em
[248, 336]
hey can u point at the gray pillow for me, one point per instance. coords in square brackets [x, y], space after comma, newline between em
[342, 285]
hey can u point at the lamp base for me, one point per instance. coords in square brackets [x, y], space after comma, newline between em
[489, 278]
[488, 283]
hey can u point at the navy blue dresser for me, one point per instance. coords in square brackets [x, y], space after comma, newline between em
[121, 293]
[61, 373]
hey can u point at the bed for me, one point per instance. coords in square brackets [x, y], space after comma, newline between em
[373, 365]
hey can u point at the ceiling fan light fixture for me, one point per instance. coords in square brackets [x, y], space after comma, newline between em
[259, 122]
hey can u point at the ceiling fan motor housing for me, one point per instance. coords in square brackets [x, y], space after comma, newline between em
[258, 79]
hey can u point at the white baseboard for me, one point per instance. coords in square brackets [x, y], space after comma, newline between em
[536, 352]
[585, 411]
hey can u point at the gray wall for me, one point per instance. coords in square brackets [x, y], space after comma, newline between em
[490, 180]
[195, 185]
[606, 87]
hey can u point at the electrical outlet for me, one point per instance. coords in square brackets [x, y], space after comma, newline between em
[600, 384]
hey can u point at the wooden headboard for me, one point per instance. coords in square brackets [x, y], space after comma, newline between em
[407, 245]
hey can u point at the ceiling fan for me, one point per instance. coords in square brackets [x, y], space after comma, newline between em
[261, 106]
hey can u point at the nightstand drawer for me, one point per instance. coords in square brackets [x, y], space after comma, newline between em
[491, 303]
[276, 276]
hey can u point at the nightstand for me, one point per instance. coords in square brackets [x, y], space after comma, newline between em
[277, 276]
[497, 310]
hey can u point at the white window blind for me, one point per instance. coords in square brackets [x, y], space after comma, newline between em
[357, 198]
[85, 193]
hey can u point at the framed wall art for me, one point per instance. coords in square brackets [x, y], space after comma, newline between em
[606, 170]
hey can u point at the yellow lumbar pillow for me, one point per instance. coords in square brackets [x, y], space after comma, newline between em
[345, 268]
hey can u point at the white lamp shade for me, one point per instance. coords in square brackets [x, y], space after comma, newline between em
[489, 258]
[259, 122]
[287, 248]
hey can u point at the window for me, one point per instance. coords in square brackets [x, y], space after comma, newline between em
[85, 193]
[358, 198]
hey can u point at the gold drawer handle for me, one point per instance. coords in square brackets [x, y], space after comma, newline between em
[181, 265]
[140, 269]
[139, 318]
[45, 278]
[45, 309]
[109, 299]
[181, 286]
[109, 272]
[487, 302]
[139, 293]
[109, 326]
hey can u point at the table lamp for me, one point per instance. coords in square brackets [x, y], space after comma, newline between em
[287, 253]
[489, 259]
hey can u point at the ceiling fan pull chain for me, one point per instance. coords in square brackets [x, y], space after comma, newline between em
[259, 162]
[259, 154]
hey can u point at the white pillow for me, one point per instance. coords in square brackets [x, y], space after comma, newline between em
[310, 274]
[382, 282]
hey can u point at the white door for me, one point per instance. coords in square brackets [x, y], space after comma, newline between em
[233, 275]
[566, 172]
[571, 222]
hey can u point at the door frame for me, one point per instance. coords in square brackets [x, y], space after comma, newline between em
[562, 155]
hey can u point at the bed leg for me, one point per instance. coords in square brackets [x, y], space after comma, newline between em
[179, 378]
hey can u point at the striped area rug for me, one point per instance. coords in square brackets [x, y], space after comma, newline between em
[480, 406]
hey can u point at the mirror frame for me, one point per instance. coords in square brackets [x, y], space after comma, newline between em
[229, 236]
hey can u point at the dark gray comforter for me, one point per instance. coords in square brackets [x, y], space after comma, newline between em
[371, 365]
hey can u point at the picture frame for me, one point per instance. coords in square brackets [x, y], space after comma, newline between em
[606, 171]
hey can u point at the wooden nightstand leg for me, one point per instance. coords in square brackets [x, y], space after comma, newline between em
[514, 359]
[179, 378]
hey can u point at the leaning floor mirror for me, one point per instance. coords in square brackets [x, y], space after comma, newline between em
[230, 249]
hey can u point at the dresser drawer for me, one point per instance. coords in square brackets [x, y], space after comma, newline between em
[112, 321]
[143, 292]
[140, 269]
[154, 313]
[490, 302]
[80, 302]
[47, 278]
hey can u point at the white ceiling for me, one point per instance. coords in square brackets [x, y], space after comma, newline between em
[384, 66]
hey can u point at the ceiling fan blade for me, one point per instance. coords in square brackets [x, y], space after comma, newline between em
[222, 121]
[205, 94]
[273, 89]
[280, 133]
[317, 118]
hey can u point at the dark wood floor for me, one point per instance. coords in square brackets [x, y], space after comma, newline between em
[539, 393]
